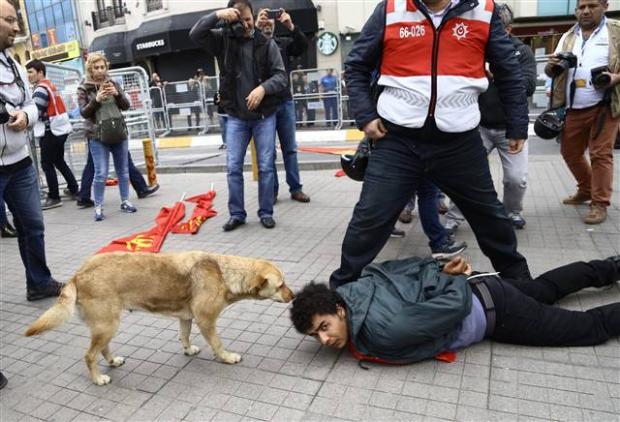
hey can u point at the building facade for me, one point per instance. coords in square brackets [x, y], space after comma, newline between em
[55, 31]
[22, 49]
[154, 34]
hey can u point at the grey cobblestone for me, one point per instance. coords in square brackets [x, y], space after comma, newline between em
[284, 376]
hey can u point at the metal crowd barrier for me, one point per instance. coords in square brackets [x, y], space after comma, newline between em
[315, 103]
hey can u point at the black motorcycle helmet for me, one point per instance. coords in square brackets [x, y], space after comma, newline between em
[549, 124]
[354, 165]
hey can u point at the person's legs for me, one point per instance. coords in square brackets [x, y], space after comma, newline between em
[87, 177]
[602, 159]
[264, 132]
[135, 177]
[470, 186]
[120, 156]
[285, 125]
[555, 284]
[21, 193]
[521, 319]
[429, 216]
[101, 161]
[576, 133]
[237, 140]
[61, 164]
[48, 152]
[390, 181]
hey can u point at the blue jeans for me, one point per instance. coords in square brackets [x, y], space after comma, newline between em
[331, 109]
[285, 125]
[20, 190]
[3, 217]
[101, 160]
[397, 167]
[238, 134]
[135, 177]
[223, 119]
[428, 195]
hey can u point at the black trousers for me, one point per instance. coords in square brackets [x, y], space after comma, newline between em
[458, 165]
[52, 158]
[524, 315]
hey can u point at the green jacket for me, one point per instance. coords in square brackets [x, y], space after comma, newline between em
[559, 90]
[406, 310]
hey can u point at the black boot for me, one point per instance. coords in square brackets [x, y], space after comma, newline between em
[8, 231]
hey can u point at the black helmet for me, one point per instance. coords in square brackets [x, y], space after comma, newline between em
[549, 124]
[354, 165]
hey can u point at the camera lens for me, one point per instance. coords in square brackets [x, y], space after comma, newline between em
[4, 115]
[602, 80]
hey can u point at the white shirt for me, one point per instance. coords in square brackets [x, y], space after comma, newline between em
[437, 17]
[592, 53]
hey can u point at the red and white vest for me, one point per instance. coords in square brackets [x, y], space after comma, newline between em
[415, 53]
[56, 107]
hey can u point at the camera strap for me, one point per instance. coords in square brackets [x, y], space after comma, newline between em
[17, 79]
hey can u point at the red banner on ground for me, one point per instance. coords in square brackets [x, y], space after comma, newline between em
[151, 240]
[202, 211]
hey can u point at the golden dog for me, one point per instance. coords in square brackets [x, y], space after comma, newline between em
[188, 285]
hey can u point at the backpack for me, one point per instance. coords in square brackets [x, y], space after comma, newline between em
[110, 127]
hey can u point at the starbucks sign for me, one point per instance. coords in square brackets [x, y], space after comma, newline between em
[327, 43]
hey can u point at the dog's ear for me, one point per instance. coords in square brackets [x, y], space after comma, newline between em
[259, 282]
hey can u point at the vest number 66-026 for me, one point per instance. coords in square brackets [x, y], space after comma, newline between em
[412, 31]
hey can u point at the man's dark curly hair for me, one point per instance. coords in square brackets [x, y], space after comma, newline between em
[313, 299]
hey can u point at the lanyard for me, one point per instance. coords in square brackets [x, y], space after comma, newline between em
[16, 80]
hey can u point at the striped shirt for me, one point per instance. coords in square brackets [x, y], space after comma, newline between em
[41, 99]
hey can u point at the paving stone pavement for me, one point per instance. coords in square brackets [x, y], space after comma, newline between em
[285, 376]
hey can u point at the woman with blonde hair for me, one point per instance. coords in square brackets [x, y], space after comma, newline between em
[101, 101]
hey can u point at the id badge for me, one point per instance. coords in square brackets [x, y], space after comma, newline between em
[581, 83]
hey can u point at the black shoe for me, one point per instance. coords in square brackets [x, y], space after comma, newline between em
[232, 224]
[8, 231]
[3, 381]
[52, 289]
[268, 222]
[449, 250]
[616, 260]
[51, 203]
[299, 196]
[397, 233]
[150, 190]
[85, 203]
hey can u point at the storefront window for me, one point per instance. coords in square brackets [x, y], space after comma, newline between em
[556, 7]
[67, 10]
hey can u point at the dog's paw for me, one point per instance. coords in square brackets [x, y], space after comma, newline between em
[117, 361]
[191, 350]
[101, 380]
[230, 357]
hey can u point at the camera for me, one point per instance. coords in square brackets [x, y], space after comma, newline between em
[567, 61]
[274, 13]
[237, 29]
[5, 117]
[599, 80]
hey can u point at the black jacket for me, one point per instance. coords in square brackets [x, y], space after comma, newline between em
[491, 111]
[292, 46]
[367, 50]
[267, 68]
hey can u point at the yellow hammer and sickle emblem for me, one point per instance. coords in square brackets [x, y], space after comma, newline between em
[140, 242]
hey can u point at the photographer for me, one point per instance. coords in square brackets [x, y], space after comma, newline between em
[18, 178]
[291, 46]
[251, 77]
[586, 72]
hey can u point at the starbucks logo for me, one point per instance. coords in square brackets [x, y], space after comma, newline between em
[327, 43]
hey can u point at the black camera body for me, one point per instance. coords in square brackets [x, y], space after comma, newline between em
[599, 80]
[567, 61]
[274, 13]
[237, 29]
[5, 117]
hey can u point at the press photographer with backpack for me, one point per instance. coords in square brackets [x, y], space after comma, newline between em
[101, 101]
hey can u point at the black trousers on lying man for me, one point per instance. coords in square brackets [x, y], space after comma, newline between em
[408, 310]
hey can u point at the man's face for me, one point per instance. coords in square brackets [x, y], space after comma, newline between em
[34, 76]
[330, 329]
[590, 13]
[9, 25]
[267, 27]
[247, 20]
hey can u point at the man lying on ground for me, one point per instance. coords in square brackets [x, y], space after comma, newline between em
[408, 310]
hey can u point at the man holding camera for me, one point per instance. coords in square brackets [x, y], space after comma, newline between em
[291, 46]
[251, 77]
[586, 68]
[18, 178]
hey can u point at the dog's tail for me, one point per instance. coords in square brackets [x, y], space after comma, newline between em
[58, 314]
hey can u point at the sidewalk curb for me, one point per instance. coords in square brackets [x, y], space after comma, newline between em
[221, 168]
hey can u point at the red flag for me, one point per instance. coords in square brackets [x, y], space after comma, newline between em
[202, 211]
[151, 240]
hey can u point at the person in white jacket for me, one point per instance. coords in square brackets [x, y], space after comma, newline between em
[18, 178]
